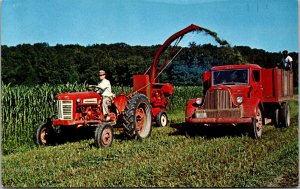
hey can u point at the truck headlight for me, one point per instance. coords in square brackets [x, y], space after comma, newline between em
[239, 99]
[199, 101]
[78, 100]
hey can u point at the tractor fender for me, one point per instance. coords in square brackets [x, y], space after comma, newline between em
[249, 107]
[190, 108]
[120, 102]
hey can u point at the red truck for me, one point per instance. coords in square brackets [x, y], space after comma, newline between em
[242, 95]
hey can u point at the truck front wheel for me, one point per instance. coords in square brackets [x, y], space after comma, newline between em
[255, 128]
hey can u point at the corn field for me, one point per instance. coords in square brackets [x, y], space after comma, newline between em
[24, 108]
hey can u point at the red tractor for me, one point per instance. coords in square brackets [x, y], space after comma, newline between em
[245, 95]
[132, 114]
[83, 109]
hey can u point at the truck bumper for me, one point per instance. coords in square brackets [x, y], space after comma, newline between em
[217, 120]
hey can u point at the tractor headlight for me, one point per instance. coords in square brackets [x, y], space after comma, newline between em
[78, 100]
[199, 101]
[239, 99]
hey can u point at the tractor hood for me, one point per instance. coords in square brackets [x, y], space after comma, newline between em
[80, 97]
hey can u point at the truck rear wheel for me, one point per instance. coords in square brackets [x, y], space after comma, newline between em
[45, 134]
[138, 117]
[255, 129]
[276, 120]
[284, 115]
[104, 135]
[162, 119]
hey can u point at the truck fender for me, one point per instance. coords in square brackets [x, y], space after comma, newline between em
[190, 108]
[249, 107]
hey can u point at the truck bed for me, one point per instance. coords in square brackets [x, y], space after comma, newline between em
[277, 85]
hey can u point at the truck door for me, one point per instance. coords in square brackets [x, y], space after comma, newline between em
[256, 84]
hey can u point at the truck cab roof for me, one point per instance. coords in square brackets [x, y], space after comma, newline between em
[230, 67]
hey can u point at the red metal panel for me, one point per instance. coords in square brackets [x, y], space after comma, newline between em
[190, 108]
[291, 84]
[277, 85]
[57, 122]
[141, 84]
[206, 77]
[120, 102]
[156, 110]
[242, 66]
[167, 89]
[268, 83]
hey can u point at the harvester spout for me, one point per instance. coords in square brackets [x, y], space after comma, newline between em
[154, 71]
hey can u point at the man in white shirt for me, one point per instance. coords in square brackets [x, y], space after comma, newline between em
[104, 88]
[286, 61]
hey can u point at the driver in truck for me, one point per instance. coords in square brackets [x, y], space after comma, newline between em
[104, 88]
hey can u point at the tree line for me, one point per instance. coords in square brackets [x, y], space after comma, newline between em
[31, 64]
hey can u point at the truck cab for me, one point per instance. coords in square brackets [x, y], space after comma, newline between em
[236, 94]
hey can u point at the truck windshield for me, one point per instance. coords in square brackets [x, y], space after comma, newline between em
[230, 77]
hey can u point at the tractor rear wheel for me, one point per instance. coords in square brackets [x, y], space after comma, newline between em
[138, 117]
[45, 134]
[104, 135]
[162, 119]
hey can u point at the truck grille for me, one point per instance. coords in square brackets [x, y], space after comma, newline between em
[218, 99]
[65, 109]
[218, 104]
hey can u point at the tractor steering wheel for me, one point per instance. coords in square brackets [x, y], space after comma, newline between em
[92, 87]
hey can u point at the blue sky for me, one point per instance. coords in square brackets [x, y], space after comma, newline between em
[271, 25]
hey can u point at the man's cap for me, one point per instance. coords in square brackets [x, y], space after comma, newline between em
[101, 72]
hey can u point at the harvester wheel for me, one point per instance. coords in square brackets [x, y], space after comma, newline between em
[285, 115]
[104, 135]
[162, 119]
[255, 129]
[45, 134]
[138, 117]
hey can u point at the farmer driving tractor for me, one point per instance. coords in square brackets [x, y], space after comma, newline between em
[104, 89]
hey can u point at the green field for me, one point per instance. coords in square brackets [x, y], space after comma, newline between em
[216, 157]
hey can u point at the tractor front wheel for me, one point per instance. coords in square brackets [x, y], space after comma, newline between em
[104, 135]
[45, 134]
[138, 117]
